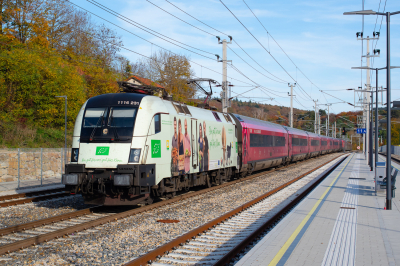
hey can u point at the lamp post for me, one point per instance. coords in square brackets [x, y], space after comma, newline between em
[376, 105]
[388, 155]
[65, 134]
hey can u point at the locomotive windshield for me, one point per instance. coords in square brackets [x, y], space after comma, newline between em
[93, 117]
[122, 117]
[108, 124]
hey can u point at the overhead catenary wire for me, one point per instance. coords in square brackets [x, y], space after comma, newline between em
[154, 44]
[150, 57]
[281, 80]
[226, 35]
[253, 67]
[335, 97]
[144, 28]
[299, 103]
[122, 47]
[380, 26]
[269, 34]
[265, 49]
[181, 19]
[138, 35]
[229, 47]
[240, 72]
[241, 47]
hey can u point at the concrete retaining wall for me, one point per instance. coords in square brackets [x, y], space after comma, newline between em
[31, 167]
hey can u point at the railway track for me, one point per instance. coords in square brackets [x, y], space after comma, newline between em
[395, 158]
[222, 239]
[33, 233]
[22, 198]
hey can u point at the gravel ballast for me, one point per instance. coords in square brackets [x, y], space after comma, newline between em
[123, 240]
[29, 212]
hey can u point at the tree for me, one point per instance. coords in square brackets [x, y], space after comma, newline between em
[172, 72]
[259, 113]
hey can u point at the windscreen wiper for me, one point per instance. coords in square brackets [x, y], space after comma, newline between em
[94, 129]
[113, 126]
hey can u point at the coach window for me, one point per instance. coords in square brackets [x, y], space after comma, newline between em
[157, 123]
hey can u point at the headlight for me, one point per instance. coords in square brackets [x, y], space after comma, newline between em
[70, 179]
[134, 155]
[123, 180]
[74, 155]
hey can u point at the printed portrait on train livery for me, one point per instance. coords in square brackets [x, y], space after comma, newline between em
[223, 136]
[174, 150]
[201, 149]
[181, 154]
[188, 151]
[206, 150]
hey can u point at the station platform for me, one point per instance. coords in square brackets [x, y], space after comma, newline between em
[341, 222]
[9, 188]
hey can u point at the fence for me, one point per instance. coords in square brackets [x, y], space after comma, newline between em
[394, 149]
[33, 167]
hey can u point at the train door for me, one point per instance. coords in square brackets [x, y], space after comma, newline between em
[290, 145]
[195, 153]
[245, 155]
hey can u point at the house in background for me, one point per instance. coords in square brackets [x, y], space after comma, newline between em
[145, 86]
[143, 82]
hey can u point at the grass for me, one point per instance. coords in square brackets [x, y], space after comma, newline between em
[21, 136]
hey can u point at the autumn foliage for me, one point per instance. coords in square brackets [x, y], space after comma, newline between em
[48, 49]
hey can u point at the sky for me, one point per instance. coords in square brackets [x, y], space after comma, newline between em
[310, 43]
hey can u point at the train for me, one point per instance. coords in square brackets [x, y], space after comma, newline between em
[132, 148]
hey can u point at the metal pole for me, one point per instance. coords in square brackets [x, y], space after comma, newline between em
[41, 166]
[327, 123]
[65, 138]
[326, 127]
[371, 159]
[224, 77]
[291, 103]
[388, 137]
[367, 96]
[319, 124]
[335, 130]
[376, 121]
[315, 118]
[61, 159]
[19, 157]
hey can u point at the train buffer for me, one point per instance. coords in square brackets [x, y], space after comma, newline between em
[343, 221]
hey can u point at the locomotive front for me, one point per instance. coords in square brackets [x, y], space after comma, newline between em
[105, 156]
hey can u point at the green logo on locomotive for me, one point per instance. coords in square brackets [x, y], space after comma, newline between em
[102, 150]
[155, 148]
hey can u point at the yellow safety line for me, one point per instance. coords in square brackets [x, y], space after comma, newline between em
[285, 247]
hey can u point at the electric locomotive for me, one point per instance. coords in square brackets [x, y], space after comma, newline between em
[128, 146]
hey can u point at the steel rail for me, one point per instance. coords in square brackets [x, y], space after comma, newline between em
[29, 194]
[50, 220]
[160, 251]
[393, 158]
[270, 223]
[8, 248]
[33, 199]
